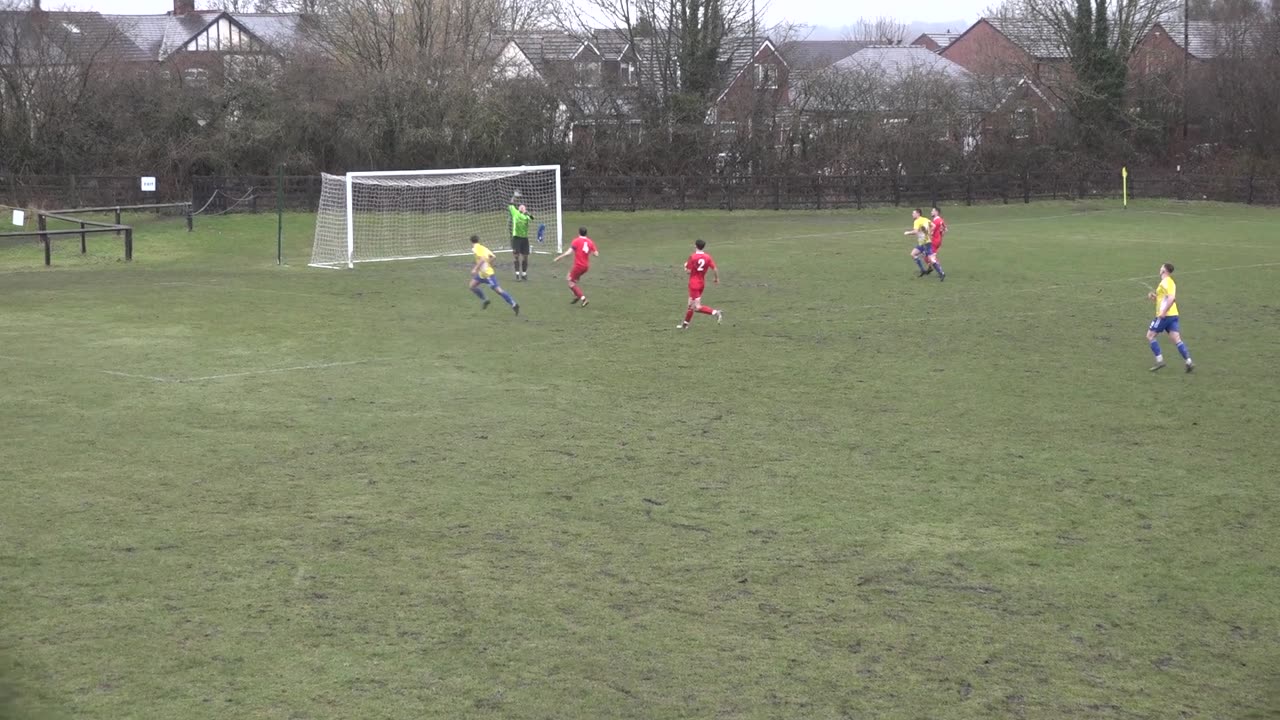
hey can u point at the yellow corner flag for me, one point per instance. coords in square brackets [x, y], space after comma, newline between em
[1124, 185]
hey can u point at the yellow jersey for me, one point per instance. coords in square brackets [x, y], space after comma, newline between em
[482, 256]
[1167, 288]
[921, 226]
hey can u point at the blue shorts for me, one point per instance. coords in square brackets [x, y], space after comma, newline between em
[924, 249]
[491, 281]
[1168, 323]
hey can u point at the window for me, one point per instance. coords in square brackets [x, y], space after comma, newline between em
[195, 77]
[588, 73]
[1024, 123]
[766, 77]
[628, 74]
[71, 28]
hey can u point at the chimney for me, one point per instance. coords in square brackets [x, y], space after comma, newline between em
[35, 6]
[181, 7]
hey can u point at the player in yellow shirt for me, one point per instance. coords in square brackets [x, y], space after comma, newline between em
[920, 228]
[482, 274]
[1166, 297]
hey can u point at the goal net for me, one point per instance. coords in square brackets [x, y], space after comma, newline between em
[411, 214]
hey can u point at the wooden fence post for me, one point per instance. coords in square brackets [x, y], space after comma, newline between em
[128, 244]
[83, 248]
[117, 221]
[43, 224]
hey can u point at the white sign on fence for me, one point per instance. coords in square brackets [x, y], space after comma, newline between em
[19, 218]
[148, 184]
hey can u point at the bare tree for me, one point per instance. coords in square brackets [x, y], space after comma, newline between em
[880, 30]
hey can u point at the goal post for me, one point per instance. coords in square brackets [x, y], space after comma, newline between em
[411, 214]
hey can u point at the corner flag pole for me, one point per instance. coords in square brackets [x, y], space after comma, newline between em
[1124, 185]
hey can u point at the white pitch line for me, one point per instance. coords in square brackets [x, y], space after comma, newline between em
[152, 378]
[316, 366]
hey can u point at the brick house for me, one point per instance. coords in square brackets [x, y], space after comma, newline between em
[197, 46]
[755, 79]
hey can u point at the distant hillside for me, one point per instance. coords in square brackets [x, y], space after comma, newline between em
[822, 32]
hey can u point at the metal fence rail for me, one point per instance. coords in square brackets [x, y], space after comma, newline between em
[222, 194]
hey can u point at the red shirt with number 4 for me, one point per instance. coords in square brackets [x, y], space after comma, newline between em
[698, 264]
[582, 246]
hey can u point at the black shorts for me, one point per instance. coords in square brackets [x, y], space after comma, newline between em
[519, 245]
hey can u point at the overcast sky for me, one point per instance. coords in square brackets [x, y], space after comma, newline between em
[827, 13]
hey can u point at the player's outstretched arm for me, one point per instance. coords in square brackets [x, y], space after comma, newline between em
[563, 255]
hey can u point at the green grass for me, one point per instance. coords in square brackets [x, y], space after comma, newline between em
[354, 494]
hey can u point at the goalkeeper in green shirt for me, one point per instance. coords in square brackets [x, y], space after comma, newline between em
[519, 237]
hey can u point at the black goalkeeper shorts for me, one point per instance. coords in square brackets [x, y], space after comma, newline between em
[519, 245]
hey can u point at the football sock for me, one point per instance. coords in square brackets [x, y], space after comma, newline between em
[938, 267]
[688, 315]
[1155, 350]
[706, 310]
[1182, 350]
[479, 293]
[524, 264]
[507, 297]
[919, 264]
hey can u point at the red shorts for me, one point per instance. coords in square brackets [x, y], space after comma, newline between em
[933, 249]
[577, 272]
[695, 291]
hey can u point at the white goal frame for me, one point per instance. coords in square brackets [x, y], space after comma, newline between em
[352, 176]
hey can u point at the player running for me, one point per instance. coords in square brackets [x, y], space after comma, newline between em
[519, 237]
[939, 228]
[1166, 297]
[582, 248]
[697, 266]
[482, 274]
[919, 228]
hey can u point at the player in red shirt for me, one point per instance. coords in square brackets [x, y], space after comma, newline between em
[582, 248]
[939, 228]
[697, 266]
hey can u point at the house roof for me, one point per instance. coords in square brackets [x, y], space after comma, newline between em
[895, 62]
[141, 38]
[806, 57]
[738, 51]
[1038, 38]
[940, 39]
[1205, 39]
[70, 37]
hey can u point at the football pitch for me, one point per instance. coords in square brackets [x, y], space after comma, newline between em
[238, 490]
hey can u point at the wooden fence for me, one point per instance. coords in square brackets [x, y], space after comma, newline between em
[582, 193]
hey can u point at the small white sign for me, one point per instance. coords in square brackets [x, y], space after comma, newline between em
[148, 184]
[19, 218]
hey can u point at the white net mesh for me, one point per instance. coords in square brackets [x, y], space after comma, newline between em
[409, 216]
